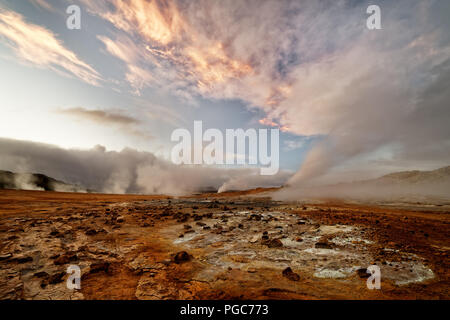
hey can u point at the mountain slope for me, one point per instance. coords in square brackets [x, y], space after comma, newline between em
[34, 181]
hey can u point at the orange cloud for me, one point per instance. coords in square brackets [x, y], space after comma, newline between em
[154, 22]
[168, 35]
[39, 46]
[270, 123]
[212, 65]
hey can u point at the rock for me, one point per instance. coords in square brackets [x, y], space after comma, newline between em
[65, 259]
[23, 259]
[120, 219]
[322, 245]
[41, 274]
[54, 233]
[299, 239]
[255, 216]
[99, 266]
[291, 275]
[201, 224]
[91, 232]
[5, 256]
[362, 273]
[187, 227]
[181, 257]
[56, 278]
[274, 243]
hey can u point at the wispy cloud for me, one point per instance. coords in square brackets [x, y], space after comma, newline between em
[45, 5]
[127, 124]
[40, 47]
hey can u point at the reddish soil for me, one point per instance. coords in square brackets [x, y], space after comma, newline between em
[135, 238]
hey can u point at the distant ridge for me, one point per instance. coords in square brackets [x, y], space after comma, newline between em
[441, 175]
[34, 181]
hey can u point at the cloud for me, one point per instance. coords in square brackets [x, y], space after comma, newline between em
[312, 66]
[40, 47]
[125, 123]
[378, 99]
[127, 171]
[100, 116]
[158, 41]
[45, 5]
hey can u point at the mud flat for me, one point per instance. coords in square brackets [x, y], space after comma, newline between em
[228, 246]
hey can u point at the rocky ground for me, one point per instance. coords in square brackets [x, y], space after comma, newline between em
[226, 246]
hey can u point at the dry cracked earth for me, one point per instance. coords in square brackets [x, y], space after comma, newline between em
[218, 246]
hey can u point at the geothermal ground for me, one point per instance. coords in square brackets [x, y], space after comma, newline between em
[219, 246]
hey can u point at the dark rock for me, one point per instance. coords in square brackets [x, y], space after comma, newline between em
[65, 259]
[5, 256]
[99, 266]
[54, 233]
[323, 245]
[291, 275]
[23, 259]
[181, 257]
[56, 278]
[274, 243]
[91, 232]
[41, 274]
[362, 273]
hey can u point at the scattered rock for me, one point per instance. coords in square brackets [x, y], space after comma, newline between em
[56, 278]
[41, 274]
[323, 245]
[362, 273]
[120, 219]
[274, 243]
[23, 259]
[91, 232]
[5, 256]
[181, 257]
[291, 275]
[65, 259]
[99, 266]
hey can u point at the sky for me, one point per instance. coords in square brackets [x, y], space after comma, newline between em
[350, 102]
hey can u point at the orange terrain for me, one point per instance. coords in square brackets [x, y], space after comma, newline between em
[218, 246]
